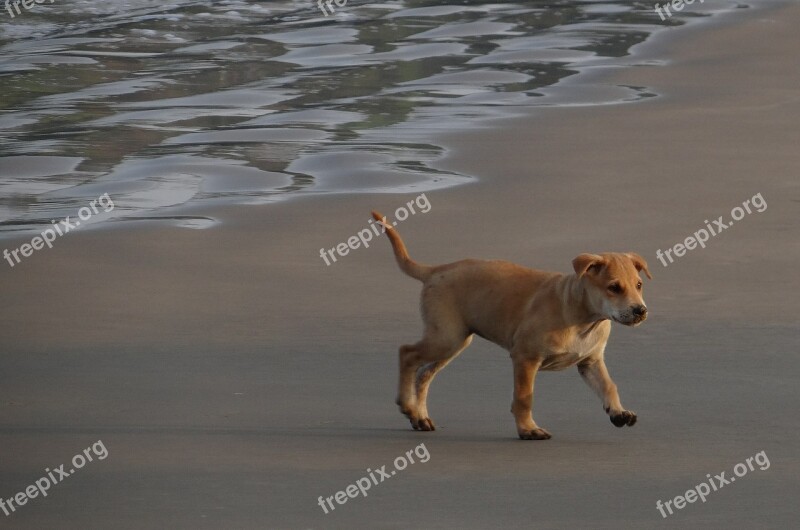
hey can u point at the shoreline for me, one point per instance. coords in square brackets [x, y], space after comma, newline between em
[202, 216]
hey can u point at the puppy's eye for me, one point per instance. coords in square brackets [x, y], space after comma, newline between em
[615, 288]
[639, 286]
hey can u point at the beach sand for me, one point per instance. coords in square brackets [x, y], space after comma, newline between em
[234, 377]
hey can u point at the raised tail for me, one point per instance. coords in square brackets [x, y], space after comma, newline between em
[407, 265]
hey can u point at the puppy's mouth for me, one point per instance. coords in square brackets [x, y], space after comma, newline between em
[631, 322]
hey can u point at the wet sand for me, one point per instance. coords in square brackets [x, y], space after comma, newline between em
[234, 378]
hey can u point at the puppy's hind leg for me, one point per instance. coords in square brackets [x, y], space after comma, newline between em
[425, 375]
[409, 362]
[434, 349]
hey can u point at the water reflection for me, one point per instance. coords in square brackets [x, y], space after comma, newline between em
[164, 104]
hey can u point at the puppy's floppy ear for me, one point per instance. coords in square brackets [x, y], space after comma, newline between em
[587, 263]
[639, 263]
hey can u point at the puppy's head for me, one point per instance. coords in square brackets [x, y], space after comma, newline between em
[613, 285]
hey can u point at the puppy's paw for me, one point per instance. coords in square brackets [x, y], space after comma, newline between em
[626, 417]
[534, 434]
[423, 424]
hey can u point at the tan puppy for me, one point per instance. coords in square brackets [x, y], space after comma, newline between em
[547, 320]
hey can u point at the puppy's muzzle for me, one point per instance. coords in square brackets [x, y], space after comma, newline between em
[635, 315]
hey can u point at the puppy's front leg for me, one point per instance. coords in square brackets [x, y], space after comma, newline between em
[595, 373]
[524, 375]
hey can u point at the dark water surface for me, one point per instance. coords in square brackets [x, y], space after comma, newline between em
[164, 104]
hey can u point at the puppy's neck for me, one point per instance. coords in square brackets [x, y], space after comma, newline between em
[580, 314]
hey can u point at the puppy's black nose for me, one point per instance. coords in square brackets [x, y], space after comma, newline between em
[639, 310]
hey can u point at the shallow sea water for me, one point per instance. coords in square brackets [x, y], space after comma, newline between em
[164, 105]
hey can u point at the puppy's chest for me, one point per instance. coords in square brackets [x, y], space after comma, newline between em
[566, 351]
